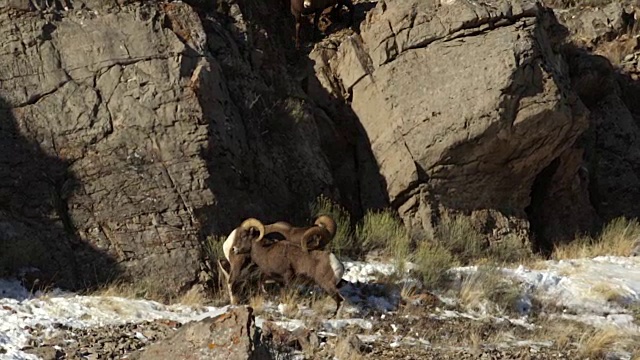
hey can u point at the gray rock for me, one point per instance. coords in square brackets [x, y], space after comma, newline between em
[232, 336]
[454, 130]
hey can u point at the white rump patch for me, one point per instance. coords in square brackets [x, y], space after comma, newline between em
[228, 243]
[307, 3]
[336, 265]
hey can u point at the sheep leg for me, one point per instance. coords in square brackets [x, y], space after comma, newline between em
[338, 298]
[332, 290]
[237, 262]
[228, 284]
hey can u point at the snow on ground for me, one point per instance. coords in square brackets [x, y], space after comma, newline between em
[594, 291]
[582, 287]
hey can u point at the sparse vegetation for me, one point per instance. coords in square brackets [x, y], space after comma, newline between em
[257, 302]
[145, 288]
[510, 249]
[488, 283]
[618, 238]
[343, 243]
[212, 248]
[384, 231]
[457, 234]
[610, 292]
[346, 349]
[596, 343]
[433, 261]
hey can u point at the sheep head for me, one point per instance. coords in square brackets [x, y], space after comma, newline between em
[328, 223]
[250, 230]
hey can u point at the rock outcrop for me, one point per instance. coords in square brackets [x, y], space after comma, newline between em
[464, 105]
[232, 335]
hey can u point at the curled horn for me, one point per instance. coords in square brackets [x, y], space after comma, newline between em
[328, 223]
[281, 227]
[252, 222]
[312, 233]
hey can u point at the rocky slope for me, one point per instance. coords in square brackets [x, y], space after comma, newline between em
[131, 130]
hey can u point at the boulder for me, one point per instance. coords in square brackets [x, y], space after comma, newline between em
[229, 336]
[464, 104]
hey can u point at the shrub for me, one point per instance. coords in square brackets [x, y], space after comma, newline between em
[510, 249]
[384, 231]
[432, 262]
[457, 234]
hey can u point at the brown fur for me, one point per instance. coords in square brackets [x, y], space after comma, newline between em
[285, 261]
[311, 237]
[298, 10]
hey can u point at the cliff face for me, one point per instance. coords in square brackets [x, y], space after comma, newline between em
[465, 107]
[130, 131]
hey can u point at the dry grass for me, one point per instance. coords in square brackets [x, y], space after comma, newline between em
[618, 238]
[346, 350]
[150, 289]
[322, 304]
[195, 296]
[608, 291]
[475, 340]
[460, 237]
[384, 231]
[510, 249]
[258, 303]
[596, 343]
[432, 262]
[290, 299]
[589, 342]
[563, 333]
[343, 243]
[212, 248]
[488, 283]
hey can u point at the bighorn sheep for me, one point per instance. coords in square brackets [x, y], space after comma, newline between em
[306, 7]
[285, 261]
[313, 237]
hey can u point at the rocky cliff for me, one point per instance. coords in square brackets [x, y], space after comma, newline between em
[495, 110]
[131, 130]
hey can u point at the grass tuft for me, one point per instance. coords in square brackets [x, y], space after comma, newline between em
[432, 262]
[510, 249]
[596, 343]
[489, 283]
[619, 238]
[460, 237]
[384, 231]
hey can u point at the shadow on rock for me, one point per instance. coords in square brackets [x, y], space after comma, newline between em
[38, 239]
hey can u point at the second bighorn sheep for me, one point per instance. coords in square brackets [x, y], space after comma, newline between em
[285, 261]
[312, 237]
[300, 8]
